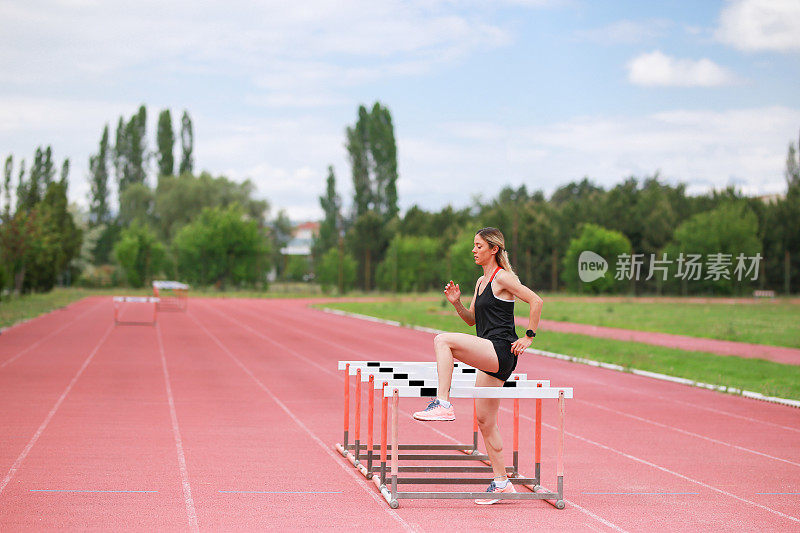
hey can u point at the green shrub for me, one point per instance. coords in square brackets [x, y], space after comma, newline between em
[327, 274]
[604, 242]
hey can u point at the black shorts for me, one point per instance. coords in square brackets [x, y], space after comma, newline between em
[506, 360]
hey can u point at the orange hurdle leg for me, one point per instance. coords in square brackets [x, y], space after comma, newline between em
[370, 423]
[358, 415]
[346, 405]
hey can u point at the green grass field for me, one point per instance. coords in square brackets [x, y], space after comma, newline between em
[756, 375]
[765, 322]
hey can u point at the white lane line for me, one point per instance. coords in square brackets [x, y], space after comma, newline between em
[585, 511]
[284, 326]
[43, 426]
[685, 432]
[721, 491]
[38, 342]
[720, 411]
[187, 489]
[336, 458]
[390, 345]
[361, 354]
[596, 364]
[710, 439]
[664, 469]
[90, 490]
[280, 345]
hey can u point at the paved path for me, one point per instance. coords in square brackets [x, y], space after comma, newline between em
[778, 354]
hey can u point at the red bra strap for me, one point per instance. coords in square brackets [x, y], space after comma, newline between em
[495, 272]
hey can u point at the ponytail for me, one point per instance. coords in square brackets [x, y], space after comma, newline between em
[502, 260]
[494, 237]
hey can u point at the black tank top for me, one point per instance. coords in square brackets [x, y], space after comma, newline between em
[494, 318]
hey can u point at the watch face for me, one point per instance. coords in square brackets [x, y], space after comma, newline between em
[530, 333]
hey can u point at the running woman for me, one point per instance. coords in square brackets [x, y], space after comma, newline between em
[494, 351]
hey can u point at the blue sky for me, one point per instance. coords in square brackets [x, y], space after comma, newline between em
[483, 94]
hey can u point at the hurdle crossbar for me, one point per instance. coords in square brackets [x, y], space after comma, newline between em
[395, 379]
[119, 300]
[175, 297]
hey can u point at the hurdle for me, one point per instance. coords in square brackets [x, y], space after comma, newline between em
[175, 297]
[120, 300]
[417, 380]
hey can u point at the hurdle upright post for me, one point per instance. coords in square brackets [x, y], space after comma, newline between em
[384, 414]
[358, 416]
[560, 462]
[474, 426]
[395, 454]
[346, 407]
[537, 444]
[370, 420]
[516, 436]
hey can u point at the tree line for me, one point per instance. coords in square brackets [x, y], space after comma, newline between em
[38, 236]
[149, 215]
[643, 225]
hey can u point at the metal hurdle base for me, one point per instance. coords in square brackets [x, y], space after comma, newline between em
[374, 462]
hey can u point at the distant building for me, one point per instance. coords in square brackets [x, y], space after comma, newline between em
[771, 198]
[302, 239]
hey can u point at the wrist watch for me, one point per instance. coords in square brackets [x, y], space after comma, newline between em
[530, 333]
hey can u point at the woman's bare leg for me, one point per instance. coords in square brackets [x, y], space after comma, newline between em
[487, 409]
[469, 349]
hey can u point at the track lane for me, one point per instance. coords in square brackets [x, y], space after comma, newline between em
[247, 459]
[107, 454]
[34, 382]
[363, 335]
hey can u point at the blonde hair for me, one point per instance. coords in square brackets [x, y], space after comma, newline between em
[494, 237]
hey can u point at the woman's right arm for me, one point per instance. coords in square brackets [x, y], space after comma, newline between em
[453, 293]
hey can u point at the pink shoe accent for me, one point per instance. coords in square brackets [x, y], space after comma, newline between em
[435, 412]
[508, 489]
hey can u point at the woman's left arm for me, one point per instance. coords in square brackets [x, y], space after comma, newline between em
[511, 284]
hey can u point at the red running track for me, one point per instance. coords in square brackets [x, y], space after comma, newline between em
[225, 417]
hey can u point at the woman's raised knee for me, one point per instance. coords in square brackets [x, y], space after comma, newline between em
[441, 340]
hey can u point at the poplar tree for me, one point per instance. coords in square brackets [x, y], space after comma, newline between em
[33, 187]
[120, 153]
[22, 188]
[165, 139]
[7, 171]
[137, 147]
[98, 169]
[383, 151]
[372, 151]
[358, 151]
[65, 173]
[331, 204]
[48, 169]
[187, 144]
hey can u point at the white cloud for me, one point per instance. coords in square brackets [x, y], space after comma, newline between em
[658, 69]
[756, 25]
[627, 31]
[77, 42]
[704, 149]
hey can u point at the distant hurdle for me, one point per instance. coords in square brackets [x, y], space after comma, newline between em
[419, 380]
[137, 317]
[173, 295]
